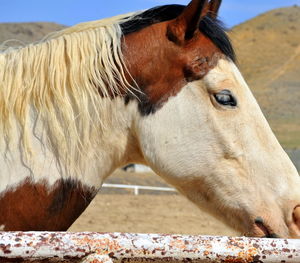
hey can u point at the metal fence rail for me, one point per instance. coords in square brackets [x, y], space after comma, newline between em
[109, 247]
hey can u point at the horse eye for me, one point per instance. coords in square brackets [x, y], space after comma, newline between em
[225, 98]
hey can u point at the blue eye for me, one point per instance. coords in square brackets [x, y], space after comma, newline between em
[226, 98]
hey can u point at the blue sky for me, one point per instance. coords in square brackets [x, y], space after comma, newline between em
[70, 12]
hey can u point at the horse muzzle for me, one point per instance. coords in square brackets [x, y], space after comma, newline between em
[276, 227]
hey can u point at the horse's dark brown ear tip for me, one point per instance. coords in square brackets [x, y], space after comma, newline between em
[187, 23]
[213, 8]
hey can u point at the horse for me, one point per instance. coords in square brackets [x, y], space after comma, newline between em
[159, 87]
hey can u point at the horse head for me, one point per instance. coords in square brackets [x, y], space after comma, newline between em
[200, 128]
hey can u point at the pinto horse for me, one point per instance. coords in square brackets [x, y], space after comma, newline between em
[158, 87]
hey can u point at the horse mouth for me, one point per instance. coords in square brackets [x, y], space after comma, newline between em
[262, 228]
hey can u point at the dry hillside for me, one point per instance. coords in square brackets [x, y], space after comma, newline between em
[25, 33]
[268, 49]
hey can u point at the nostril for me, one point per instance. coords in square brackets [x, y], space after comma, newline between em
[296, 216]
[259, 222]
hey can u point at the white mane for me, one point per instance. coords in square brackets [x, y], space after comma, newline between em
[59, 82]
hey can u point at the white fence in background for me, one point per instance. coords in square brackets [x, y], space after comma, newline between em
[136, 188]
[116, 247]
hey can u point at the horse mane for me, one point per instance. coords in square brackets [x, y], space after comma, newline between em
[58, 82]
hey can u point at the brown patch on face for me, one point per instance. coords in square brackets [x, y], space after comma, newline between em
[162, 67]
[33, 207]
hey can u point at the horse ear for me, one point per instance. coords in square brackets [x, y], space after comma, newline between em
[213, 8]
[187, 23]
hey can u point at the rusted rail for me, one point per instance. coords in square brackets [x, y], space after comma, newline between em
[110, 247]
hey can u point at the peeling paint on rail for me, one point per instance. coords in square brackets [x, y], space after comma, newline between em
[110, 247]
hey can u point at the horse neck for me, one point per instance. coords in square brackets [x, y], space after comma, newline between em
[115, 146]
[119, 143]
[42, 195]
[115, 142]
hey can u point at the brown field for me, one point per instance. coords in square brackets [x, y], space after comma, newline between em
[169, 214]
